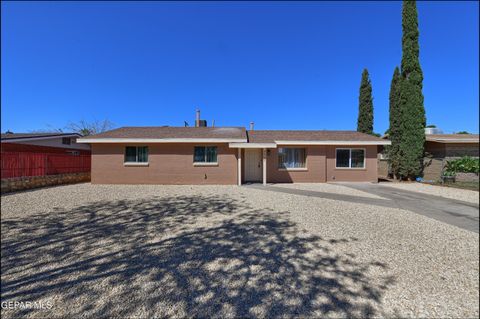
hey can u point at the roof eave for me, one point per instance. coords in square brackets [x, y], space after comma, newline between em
[26, 139]
[158, 140]
[439, 140]
[286, 142]
[252, 145]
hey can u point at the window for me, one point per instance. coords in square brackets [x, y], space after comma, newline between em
[75, 153]
[136, 154]
[350, 158]
[291, 158]
[205, 154]
[66, 140]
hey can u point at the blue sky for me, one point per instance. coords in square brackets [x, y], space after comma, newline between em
[282, 65]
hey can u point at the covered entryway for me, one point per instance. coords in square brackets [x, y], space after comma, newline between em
[253, 165]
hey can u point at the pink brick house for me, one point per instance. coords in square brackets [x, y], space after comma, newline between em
[231, 155]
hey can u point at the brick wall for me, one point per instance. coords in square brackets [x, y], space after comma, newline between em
[466, 177]
[29, 182]
[382, 168]
[433, 168]
[460, 150]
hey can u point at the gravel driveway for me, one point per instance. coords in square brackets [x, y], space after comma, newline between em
[463, 214]
[228, 251]
[447, 192]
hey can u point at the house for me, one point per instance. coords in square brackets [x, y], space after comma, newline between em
[230, 155]
[440, 148]
[63, 143]
[27, 155]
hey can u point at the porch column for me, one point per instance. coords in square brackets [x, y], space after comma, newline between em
[264, 152]
[239, 167]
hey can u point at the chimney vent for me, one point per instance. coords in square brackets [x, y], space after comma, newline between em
[198, 121]
[251, 126]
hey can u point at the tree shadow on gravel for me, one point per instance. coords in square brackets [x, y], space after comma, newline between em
[197, 256]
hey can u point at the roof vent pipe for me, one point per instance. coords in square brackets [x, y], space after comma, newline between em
[251, 126]
[198, 121]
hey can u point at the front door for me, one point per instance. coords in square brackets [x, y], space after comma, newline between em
[253, 165]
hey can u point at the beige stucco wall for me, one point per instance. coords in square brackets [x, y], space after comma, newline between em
[168, 164]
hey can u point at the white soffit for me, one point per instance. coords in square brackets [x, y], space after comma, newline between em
[457, 140]
[386, 142]
[159, 140]
[252, 145]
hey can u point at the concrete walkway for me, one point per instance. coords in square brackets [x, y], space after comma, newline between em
[454, 212]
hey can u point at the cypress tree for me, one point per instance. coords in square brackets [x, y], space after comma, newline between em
[412, 111]
[394, 129]
[365, 105]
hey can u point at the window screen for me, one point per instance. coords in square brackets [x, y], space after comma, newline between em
[66, 140]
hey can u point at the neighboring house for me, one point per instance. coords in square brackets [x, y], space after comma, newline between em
[65, 143]
[42, 154]
[440, 148]
[230, 155]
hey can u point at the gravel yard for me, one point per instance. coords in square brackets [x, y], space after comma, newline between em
[229, 251]
[448, 192]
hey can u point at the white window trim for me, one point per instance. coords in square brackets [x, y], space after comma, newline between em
[298, 169]
[350, 158]
[135, 164]
[293, 168]
[205, 163]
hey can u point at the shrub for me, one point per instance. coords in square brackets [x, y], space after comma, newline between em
[465, 164]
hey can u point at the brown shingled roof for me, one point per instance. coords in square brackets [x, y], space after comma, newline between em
[165, 132]
[452, 138]
[268, 136]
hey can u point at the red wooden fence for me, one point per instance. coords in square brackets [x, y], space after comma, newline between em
[17, 164]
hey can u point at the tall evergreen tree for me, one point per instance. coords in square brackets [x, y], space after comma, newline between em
[412, 111]
[394, 129]
[365, 105]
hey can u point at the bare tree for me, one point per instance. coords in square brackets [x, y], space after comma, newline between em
[90, 128]
[48, 129]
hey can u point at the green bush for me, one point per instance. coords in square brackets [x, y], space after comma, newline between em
[448, 173]
[463, 165]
